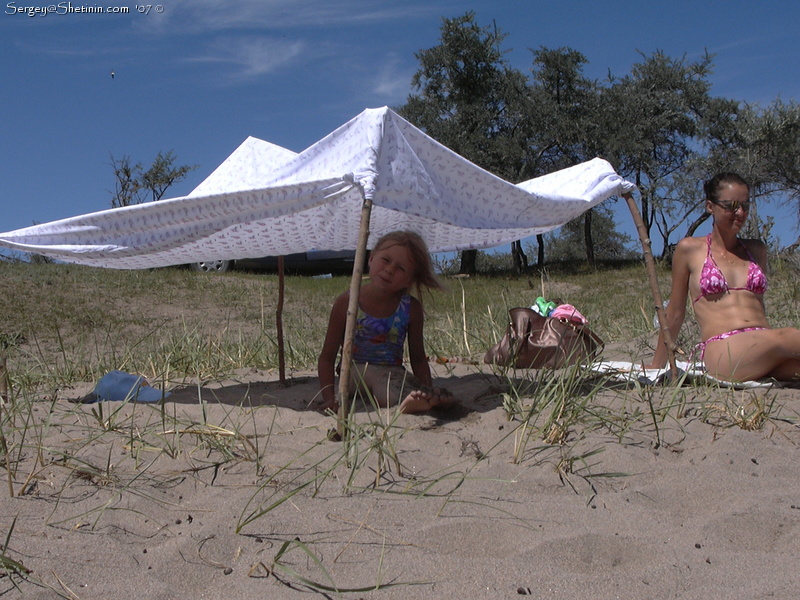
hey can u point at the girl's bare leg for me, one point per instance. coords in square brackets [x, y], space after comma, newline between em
[752, 355]
[387, 385]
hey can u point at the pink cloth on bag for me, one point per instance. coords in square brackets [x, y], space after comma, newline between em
[568, 312]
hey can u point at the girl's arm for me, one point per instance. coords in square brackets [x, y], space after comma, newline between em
[676, 309]
[326, 364]
[416, 344]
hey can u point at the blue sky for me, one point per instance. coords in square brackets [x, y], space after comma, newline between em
[199, 76]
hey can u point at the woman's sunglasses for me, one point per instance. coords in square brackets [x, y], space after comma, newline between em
[734, 206]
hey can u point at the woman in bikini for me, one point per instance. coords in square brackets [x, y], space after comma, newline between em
[725, 278]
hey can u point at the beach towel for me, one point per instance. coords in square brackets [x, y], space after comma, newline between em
[688, 372]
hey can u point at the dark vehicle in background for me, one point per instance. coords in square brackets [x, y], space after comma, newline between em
[319, 262]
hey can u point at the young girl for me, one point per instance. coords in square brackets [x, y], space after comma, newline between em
[725, 278]
[387, 315]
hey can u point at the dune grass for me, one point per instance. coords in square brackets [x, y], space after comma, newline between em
[64, 324]
[68, 323]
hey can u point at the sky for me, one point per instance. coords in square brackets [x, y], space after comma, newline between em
[197, 77]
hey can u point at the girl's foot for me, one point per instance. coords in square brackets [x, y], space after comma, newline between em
[423, 400]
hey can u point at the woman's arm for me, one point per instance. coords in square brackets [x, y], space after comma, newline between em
[326, 364]
[676, 309]
[416, 344]
[758, 250]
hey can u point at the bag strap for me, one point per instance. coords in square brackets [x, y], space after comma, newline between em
[584, 330]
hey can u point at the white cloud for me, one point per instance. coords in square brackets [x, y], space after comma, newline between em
[391, 82]
[204, 16]
[250, 57]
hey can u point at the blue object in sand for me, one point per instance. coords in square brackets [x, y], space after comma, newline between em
[116, 386]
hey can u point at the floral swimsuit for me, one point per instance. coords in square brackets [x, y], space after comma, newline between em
[712, 281]
[380, 341]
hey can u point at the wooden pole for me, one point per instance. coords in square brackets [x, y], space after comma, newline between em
[279, 323]
[352, 312]
[653, 277]
[4, 397]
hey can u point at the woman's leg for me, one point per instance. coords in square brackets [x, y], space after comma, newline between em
[751, 355]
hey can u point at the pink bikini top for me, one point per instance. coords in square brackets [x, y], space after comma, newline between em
[712, 281]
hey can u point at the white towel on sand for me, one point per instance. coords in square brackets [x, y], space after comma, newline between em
[629, 371]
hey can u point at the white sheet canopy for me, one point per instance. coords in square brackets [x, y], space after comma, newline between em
[267, 201]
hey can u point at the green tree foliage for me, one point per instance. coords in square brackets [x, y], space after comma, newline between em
[569, 243]
[659, 125]
[765, 150]
[127, 186]
[560, 115]
[763, 145]
[134, 185]
[469, 99]
[658, 119]
[775, 132]
[561, 122]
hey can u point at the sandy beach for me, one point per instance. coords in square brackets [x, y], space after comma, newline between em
[231, 489]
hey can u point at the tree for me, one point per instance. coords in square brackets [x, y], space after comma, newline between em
[775, 131]
[658, 119]
[133, 185]
[659, 126]
[568, 242]
[560, 112]
[127, 188]
[469, 99]
[561, 116]
[765, 150]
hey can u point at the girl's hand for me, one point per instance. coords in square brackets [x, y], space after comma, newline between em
[329, 406]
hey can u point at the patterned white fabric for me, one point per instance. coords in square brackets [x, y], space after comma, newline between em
[688, 373]
[267, 201]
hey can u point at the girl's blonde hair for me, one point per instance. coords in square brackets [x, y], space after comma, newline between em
[424, 275]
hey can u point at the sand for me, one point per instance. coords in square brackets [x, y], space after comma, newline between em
[144, 501]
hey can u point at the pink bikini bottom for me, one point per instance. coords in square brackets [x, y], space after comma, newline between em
[702, 345]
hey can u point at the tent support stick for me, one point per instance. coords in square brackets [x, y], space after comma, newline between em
[352, 313]
[4, 397]
[279, 323]
[653, 277]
